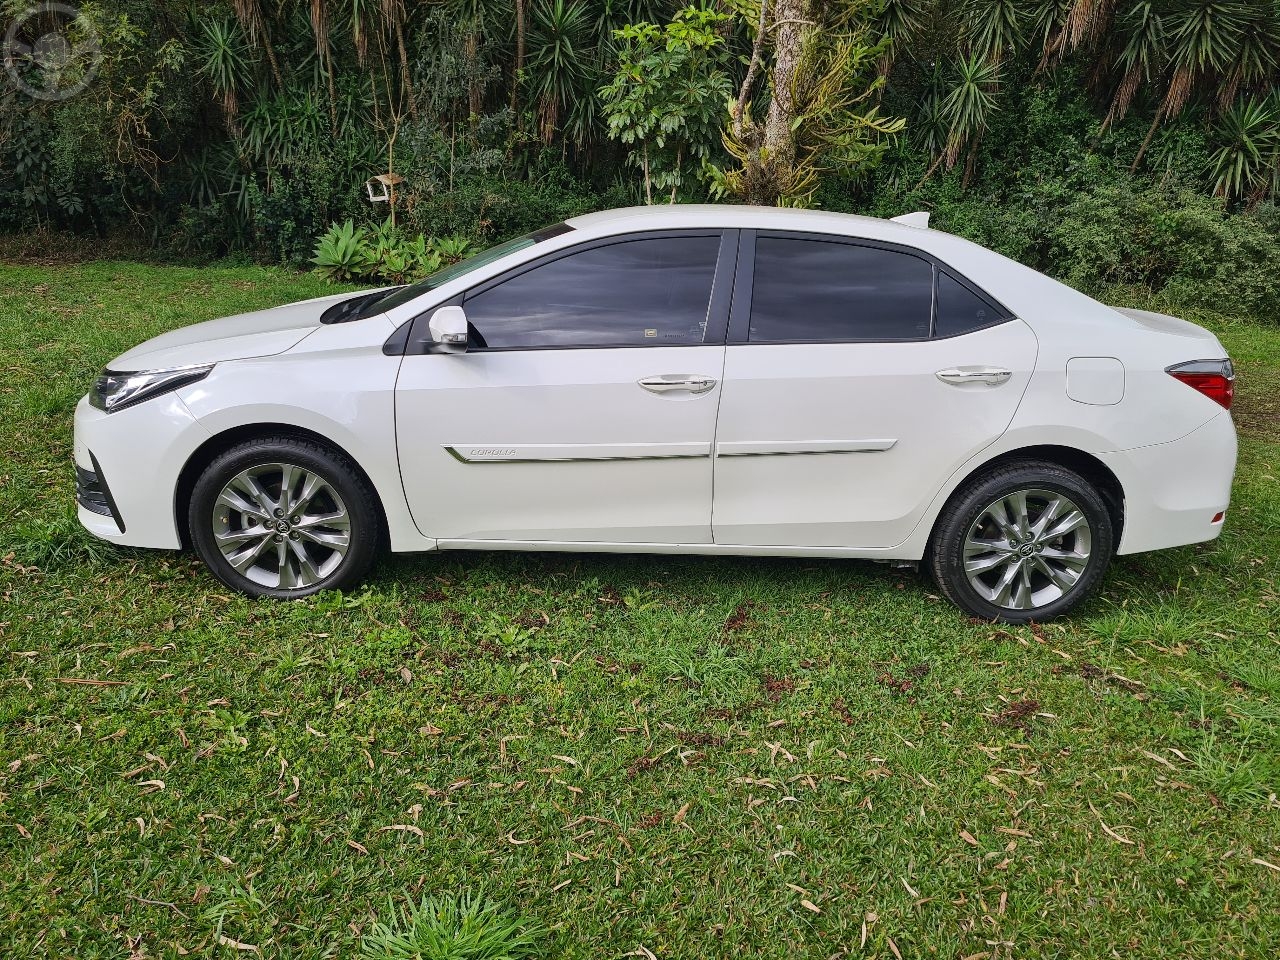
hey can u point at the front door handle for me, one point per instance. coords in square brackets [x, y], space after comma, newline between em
[992, 376]
[669, 382]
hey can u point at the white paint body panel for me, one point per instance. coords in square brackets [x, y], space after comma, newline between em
[263, 333]
[563, 445]
[836, 395]
[821, 450]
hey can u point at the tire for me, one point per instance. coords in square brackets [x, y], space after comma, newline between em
[996, 524]
[246, 533]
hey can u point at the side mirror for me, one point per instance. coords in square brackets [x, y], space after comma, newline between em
[449, 329]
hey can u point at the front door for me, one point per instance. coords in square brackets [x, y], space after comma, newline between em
[849, 397]
[584, 408]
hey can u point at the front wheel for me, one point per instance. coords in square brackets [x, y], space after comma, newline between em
[283, 517]
[1027, 541]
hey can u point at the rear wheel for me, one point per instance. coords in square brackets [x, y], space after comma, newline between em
[1028, 541]
[284, 517]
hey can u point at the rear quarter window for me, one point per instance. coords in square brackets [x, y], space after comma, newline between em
[960, 309]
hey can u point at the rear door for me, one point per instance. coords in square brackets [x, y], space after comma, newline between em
[584, 408]
[858, 377]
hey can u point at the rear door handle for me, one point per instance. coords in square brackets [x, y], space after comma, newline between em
[992, 376]
[669, 382]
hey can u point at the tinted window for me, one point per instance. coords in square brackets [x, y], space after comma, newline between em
[651, 292]
[816, 290]
[960, 309]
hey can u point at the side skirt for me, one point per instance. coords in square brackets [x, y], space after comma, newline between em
[900, 552]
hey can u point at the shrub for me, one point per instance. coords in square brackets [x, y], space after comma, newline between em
[1172, 241]
[346, 253]
[342, 253]
[468, 927]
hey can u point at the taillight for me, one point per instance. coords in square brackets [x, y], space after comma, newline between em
[1216, 379]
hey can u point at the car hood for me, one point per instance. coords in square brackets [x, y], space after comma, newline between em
[262, 333]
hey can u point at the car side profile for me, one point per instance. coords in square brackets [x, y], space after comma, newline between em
[679, 379]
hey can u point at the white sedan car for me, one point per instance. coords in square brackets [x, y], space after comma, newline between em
[681, 379]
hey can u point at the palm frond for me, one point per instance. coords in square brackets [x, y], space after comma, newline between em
[1248, 138]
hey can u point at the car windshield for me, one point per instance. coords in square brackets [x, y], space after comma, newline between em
[402, 295]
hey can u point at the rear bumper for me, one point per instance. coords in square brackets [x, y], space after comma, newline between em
[127, 466]
[1173, 491]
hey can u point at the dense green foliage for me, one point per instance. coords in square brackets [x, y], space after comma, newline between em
[701, 757]
[384, 255]
[243, 125]
[666, 100]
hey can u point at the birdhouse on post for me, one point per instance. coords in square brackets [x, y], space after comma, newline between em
[382, 189]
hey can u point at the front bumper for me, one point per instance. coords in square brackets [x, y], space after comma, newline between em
[127, 467]
[1175, 491]
[93, 494]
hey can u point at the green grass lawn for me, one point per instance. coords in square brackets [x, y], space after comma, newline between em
[666, 756]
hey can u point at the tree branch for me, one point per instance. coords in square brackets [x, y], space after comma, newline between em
[753, 68]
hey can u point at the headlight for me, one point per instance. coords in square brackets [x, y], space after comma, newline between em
[114, 391]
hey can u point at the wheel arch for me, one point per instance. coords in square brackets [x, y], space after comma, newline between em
[219, 443]
[1072, 458]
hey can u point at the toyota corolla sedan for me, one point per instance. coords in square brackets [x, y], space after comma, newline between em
[681, 379]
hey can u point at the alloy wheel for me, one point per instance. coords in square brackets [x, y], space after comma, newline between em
[281, 525]
[1027, 549]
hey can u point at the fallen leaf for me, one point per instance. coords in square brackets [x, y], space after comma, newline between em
[680, 814]
[404, 828]
[968, 838]
[1109, 832]
[810, 905]
[237, 945]
[358, 847]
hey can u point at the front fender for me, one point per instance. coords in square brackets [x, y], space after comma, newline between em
[346, 397]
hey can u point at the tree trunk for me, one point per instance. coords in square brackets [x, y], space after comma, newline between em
[471, 45]
[519, 64]
[792, 24]
[771, 154]
[254, 22]
[1146, 141]
[333, 96]
[271, 59]
[648, 188]
[757, 53]
[406, 76]
[675, 186]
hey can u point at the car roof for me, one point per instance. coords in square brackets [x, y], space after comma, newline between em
[661, 216]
